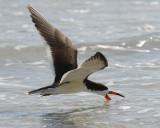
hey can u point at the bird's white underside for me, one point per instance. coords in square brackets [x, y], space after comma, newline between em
[70, 88]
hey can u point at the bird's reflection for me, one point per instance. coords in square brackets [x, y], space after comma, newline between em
[76, 118]
[56, 120]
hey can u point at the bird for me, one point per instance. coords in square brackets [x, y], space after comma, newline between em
[69, 77]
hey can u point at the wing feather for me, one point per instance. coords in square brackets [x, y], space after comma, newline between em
[63, 52]
[94, 63]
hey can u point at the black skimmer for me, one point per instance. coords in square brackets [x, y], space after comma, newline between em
[69, 77]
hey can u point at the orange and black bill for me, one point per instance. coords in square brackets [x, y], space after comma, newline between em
[114, 93]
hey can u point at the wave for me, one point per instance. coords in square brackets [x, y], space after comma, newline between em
[141, 44]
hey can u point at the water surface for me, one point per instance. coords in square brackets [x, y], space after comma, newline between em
[126, 32]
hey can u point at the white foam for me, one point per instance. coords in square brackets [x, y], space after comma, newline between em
[25, 26]
[141, 43]
[125, 107]
[127, 120]
[119, 48]
[82, 11]
[110, 83]
[111, 47]
[123, 44]
[102, 123]
[148, 27]
[9, 64]
[82, 49]
[41, 66]
[149, 64]
[99, 111]
[144, 110]
[67, 20]
[123, 66]
[154, 3]
[19, 47]
[36, 63]
[156, 115]
[142, 51]
[12, 84]
[18, 13]
[156, 49]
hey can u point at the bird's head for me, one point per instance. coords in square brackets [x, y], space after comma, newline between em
[99, 89]
[113, 93]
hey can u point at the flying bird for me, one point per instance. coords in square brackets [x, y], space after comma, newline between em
[69, 77]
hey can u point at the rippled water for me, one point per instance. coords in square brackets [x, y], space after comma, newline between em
[126, 32]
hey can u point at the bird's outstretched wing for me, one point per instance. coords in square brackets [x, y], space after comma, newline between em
[63, 52]
[94, 63]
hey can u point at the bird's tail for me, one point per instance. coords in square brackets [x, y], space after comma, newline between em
[37, 91]
[41, 91]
